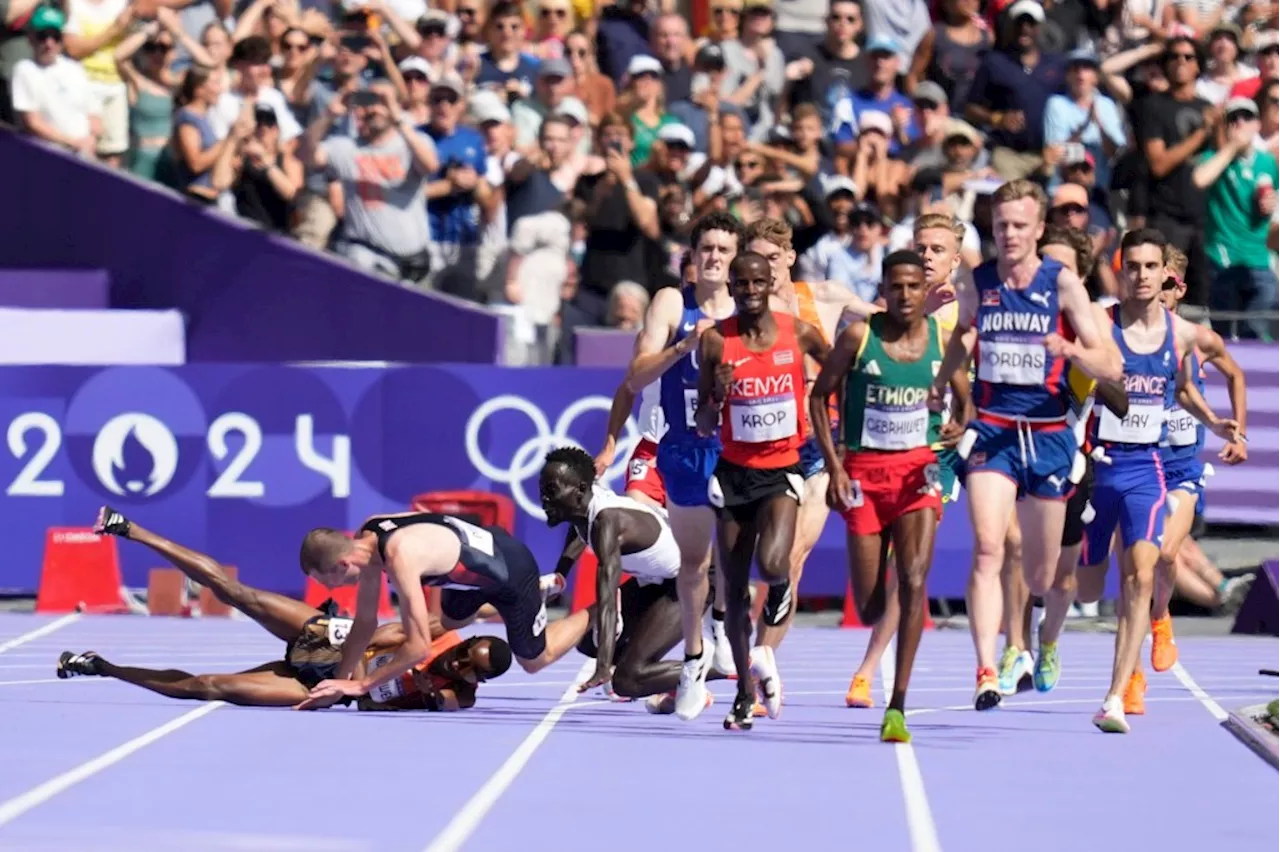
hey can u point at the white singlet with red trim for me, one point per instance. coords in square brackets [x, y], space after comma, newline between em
[655, 564]
[652, 424]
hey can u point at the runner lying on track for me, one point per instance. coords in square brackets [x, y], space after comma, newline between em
[446, 680]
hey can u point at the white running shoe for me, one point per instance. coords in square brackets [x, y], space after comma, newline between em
[764, 668]
[1110, 719]
[691, 693]
[551, 586]
[722, 656]
[664, 703]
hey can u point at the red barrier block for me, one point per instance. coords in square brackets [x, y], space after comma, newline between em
[166, 592]
[80, 572]
[851, 619]
[479, 507]
[584, 581]
[210, 605]
[345, 598]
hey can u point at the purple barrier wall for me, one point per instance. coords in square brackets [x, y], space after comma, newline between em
[55, 288]
[240, 460]
[248, 296]
[600, 347]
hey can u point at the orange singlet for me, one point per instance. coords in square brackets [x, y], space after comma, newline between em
[406, 685]
[766, 423]
[807, 310]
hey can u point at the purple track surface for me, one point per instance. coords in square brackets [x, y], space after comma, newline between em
[599, 775]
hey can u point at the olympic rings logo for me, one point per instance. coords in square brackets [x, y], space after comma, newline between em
[527, 460]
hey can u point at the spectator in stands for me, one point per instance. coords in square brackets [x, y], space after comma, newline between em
[595, 90]
[456, 188]
[949, 54]
[1241, 186]
[621, 205]
[702, 112]
[215, 41]
[1267, 60]
[1268, 100]
[143, 60]
[880, 95]
[1083, 117]
[1010, 91]
[382, 175]
[877, 175]
[1172, 127]
[269, 177]
[671, 47]
[645, 105]
[902, 22]
[836, 68]
[204, 160]
[555, 21]
[726, 21]
[628, 302]
[430, 39]
[1200, 16]
[756, 71]
[251, 62]
[51, 94]
[552, 85]
[925, 194]
[622, 33]
[1224, 70]
[299, 61]
[415, 72]
[491, 116]
[506, 67]
[851, 252]
[800, 27]
[94, 29]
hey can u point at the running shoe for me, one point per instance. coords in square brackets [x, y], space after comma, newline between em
[1048, 668]
[764, 668]
[1110, 719]
[740, 718]
[1233, 593]
[1135, 694]
[859, 694]
[987, 695]
[1015, 664]
[691, 693]
[111, 522]
[664, 703]
[552, 586]
[78, 665]
[894, 727]
[1164, 651]
[722, 655]
[777, 605]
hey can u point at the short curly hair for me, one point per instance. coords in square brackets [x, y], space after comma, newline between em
[576, 460]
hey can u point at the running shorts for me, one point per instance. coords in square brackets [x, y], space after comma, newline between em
[1037, 461]
[642, 472]
[811, 461]
[637, 600]
[1128, 491]
[519, 602]
[316, 652]
[950, 474]
[738, 492]
[686, 470]
[1079, 510]
[887, 486]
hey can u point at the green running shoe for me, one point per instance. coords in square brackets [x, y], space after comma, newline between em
[894, 728]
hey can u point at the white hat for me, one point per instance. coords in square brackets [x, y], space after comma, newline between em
[415, 63]
[1241, 105]
[487, 106]
[573, 108]
[677, 133]
[875, 120]
[643, 64]
[1030, 8]
[839, 183]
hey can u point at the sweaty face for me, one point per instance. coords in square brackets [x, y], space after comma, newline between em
[1018, 227]
[780, 260]
[941, 252]
[904, 290]
[467, 661]
[561, 495]
[713, 254]
[750, 285]
[1144, 271]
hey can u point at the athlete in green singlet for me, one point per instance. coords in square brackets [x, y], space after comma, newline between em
[889, 488]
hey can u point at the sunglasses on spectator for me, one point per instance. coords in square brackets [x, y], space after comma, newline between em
[1072, 209]
[1183, 57]
[355, 44]
[745, 165]
[158, 47]
[847, 19]
[864, 221]
[1239, 115]
[51, 35]
[435, 29]
[316, 40]
[724, 10]
[553, 13]
[444, 98]
[1275, 48]
[296, 46]
[414, 77]
[1171, 283]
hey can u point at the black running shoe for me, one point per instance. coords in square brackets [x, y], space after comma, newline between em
[742, 715]
[73, 665]
[777, 604]
[111, 522]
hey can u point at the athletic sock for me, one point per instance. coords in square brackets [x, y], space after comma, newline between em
[777, 604]
[717, 614]
[691, 657]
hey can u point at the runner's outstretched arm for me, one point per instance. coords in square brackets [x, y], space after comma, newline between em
[606, 541]
[1214, 350]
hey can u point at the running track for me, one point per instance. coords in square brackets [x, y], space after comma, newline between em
[91, 764]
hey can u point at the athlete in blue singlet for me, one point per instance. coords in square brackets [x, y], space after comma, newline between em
[1031, 317]
[1129, 477]
[665, 350]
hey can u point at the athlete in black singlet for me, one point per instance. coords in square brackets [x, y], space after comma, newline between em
[471, 565]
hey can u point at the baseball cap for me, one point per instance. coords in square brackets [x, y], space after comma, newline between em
[643, 64]
[556, 67]
[575, 109]
[1083, 56]
[710, 56]
[883, 44]
[415, 63]
[1241, 105]
[875, 120]
[838, 184]
[930, 92]
[1029, 8]
[486, 106]
[1070, 193]
[452, 82]
[47, 18]
[678, 134]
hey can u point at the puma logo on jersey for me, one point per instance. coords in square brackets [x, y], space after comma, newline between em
[1039, 298]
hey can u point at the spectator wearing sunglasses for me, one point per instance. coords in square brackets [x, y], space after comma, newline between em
[552, 27]
[1240, 183]
[52, 99]
[505, 67]
[144, 61]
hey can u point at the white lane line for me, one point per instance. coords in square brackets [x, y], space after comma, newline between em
[1184, 677]
[920, 825]
[43, 630]
[468, 818]
[38, 795]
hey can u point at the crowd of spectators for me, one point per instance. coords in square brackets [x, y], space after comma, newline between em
[548, 158]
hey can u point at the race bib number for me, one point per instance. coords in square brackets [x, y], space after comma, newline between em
[639, 468]
[383, 692]
[933, 477]
[691, 409]
[764, 420]
[1182, 428]
[1142, 425]
[895, 430]
[855, 494]
[1009, 363]
[540, 620]
[475, 537]
[338, 630]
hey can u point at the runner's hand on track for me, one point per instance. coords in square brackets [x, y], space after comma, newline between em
[600, 678]
[329, 692]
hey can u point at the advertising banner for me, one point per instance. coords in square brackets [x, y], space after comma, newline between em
[240, 461]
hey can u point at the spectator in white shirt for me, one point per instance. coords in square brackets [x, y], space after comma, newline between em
[251, 60]
[51, 93]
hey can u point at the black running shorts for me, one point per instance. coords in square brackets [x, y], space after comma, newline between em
[737, 492]
[519, 602]
[1077, 503]
[315, 653]
[637, 600]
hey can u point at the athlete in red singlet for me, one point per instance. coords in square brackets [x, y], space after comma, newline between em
[753, 366]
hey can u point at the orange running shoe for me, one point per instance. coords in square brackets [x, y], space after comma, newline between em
[1164, 651]
[1135, 693]
[859, 694]
[987, 694]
